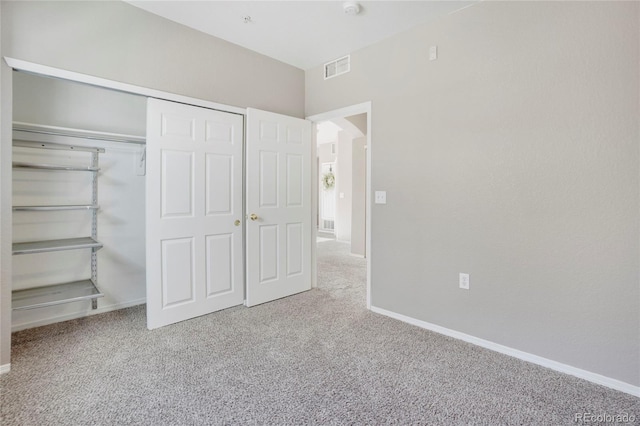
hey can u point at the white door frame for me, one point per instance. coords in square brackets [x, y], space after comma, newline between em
[364, 107]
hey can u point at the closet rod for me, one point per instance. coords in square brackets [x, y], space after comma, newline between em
[77, 133]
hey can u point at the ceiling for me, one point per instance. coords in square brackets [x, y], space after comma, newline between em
[301, 33]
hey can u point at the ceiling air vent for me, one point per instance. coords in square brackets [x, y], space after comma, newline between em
[337, 67]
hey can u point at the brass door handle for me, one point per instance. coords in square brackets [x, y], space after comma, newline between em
[237, 222]
[253, 216]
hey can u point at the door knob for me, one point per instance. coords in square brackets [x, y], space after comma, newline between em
[253, 216]
[237, 222]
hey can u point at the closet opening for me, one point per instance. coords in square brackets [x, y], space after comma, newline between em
[164, 223]
[87, 188]
[78, 195]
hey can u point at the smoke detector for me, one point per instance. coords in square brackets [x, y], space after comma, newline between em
[351, 8]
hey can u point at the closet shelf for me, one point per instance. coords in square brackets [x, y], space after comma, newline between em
[50, 295]
[55, 245]
[54, 208]
[56, 146]
[18, 165]
[77, 133]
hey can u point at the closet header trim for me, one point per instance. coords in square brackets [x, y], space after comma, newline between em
[20, 65]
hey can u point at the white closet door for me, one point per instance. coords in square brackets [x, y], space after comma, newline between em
[278, 205]
[194, 212]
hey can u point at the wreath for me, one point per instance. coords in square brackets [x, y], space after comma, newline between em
[328, 181]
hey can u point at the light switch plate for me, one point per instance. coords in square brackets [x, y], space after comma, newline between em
[433, 53]
[464, 281]
[381, 197]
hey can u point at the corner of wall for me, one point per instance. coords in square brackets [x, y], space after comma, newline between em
[525, 356]
[5, 212]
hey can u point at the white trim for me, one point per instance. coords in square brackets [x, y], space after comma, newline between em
[315, 222]
[525, 356]
[342, 112]
[18, 64]
[5, 368]
[60, 318]
[364, 107]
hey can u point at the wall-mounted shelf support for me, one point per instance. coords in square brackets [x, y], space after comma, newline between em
[94, 225]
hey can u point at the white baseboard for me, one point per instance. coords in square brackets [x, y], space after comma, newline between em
[525, 356]
[5, 368]
[60, 318]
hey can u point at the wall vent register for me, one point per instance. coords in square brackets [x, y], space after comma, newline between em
[337, 67]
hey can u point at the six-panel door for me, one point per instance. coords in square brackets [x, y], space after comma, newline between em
[194, 212]
[279, 201]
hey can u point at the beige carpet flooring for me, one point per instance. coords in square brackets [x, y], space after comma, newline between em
[314, 358]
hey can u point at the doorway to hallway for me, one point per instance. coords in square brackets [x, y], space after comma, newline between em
[341, 159]
[343, 257]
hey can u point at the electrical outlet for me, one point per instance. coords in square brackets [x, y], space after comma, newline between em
[464, 281]
[381, 197]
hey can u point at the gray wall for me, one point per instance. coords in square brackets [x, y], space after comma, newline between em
[324, 153]
[62, 103]
[360, 121]
[514, 158]
[120, 42]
